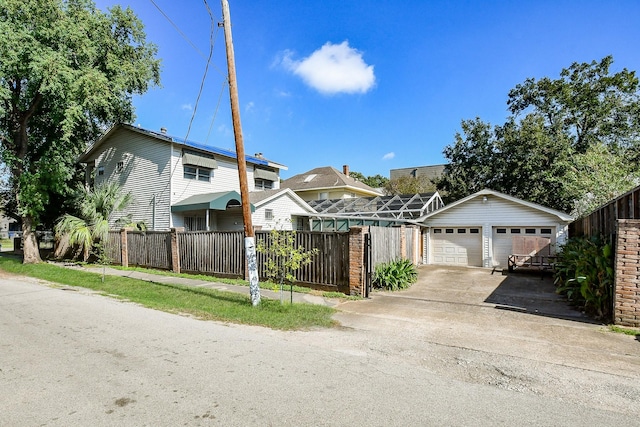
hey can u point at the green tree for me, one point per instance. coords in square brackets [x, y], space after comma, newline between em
[97, 208]
[375, 181]
[557, 129]
[68, 72]
[599, 169]
[587, 102]
[283, 257]
[409, 185]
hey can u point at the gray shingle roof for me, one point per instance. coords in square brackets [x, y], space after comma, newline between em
[323, 177]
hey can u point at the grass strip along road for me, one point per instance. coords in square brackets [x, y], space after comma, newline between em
[202, 303]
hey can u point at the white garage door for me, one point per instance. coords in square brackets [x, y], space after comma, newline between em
[503, 240]
[456, 246]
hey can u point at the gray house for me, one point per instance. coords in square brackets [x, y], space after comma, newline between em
[178, 183]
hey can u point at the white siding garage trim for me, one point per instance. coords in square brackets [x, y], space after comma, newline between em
[502, 240]
[456, 246]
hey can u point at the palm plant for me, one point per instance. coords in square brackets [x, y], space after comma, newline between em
[96, 207]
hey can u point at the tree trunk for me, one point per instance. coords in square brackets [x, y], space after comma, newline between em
[29, 242]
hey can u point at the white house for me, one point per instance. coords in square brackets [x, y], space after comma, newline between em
[177, 183]
[478, 230]
[280, 209]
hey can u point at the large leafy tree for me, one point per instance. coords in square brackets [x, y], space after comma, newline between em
[67, 72]
[553, 148]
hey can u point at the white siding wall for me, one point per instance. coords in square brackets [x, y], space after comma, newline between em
[284, 208]
[146, 173]
[230, 220]
[224, 178]
[495, 212]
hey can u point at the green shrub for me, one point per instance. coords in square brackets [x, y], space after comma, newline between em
[395, 275]
[585, 274]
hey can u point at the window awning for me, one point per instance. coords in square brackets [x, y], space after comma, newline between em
[196, 160]
[216, 201]
[265, 174]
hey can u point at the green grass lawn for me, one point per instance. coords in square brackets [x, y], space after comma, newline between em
[205, 304]
[238, 282]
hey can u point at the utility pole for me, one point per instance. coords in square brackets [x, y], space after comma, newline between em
[249, 239]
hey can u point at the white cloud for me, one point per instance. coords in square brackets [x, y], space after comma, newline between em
[389, 156]
[250, 106]
[224, 130]
[187, 107]
[332, 69]
[283, 94]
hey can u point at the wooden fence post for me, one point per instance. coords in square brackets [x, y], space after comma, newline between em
[124, 256]
[403, 242]
[175, 253]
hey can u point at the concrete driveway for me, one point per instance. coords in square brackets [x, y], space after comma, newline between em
[526, 292]
[511, 331]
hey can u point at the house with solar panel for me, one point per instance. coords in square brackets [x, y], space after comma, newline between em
[179, 183]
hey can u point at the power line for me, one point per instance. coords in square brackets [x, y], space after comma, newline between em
[184, 36]
[212, 37]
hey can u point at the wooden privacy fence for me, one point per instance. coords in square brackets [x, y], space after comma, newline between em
[330, 266]
[603, 221]
[393, 243]
[338, 265]
[217, 253]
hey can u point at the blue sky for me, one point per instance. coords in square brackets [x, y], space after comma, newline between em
[377, 84]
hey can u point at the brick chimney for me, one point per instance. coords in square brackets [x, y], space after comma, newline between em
[345, 170]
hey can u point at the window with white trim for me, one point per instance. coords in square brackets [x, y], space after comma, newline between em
[268, 214]
[197, 172]
[263, 184]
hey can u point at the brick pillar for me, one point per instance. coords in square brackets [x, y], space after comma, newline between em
[175, 254]
[356, 260]
[626, 296]
[124, 250]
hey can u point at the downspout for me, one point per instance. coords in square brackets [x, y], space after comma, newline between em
[153, 213]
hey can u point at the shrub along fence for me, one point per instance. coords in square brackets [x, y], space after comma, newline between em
[339, 264]
[618, 222]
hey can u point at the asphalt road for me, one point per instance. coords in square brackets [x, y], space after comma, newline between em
[73, 358]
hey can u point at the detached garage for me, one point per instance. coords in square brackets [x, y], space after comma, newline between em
[481, 230]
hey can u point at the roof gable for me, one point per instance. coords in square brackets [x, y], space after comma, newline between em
[564, 217]
[264, 197]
